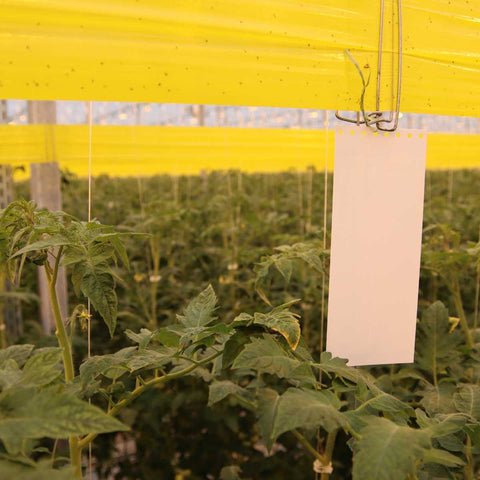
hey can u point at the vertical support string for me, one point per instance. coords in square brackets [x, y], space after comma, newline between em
[90, 125]
[324, 245]
[325, 212]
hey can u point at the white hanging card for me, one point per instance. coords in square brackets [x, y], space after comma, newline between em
[376, 243]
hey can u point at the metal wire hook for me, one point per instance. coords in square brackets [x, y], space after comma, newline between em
[377, 117]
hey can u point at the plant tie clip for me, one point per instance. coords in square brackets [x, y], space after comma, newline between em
[318, 467]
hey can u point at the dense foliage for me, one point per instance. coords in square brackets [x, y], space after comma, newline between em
[207, 347]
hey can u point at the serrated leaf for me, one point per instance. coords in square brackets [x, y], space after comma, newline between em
[42, 368]
[285, 267]
[98, 286]
[442, 457]
[33, 413]
[451, 443]
[387, 451]
[199, 312]
[203, 335]
[242, 320]
[440, 425]
[282, 321]
[219, 390]
[233, 346]
[166, 337]
[10, 374]
[435, 344]
[338, 366]
[265, 355]
[438, 399]
[143, 338]
[308, 409]
[467, 400]
[49, 242]
[385, 402]
[19, 353]
[267, 412]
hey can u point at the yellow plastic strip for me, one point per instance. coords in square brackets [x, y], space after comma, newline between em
[288, 53]
[125, 151]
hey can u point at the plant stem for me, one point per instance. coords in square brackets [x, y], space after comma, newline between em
[457, 299]
[64, 343]
[468, 469]
[145, 386]
[329, 446]
[309, 447]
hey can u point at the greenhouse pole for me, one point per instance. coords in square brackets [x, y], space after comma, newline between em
[45, 191]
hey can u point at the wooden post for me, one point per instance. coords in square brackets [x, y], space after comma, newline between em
[6, 187]
[3, 111]
[45, 191]
[10, 314]
[201, 115]
[42, 112]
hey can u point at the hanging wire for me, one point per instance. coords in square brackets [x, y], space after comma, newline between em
[377, 119]
[89, 342]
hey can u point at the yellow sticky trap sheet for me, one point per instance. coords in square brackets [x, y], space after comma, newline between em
[125, 151]
[240, 52]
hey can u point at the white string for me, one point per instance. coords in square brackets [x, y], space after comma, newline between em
[319, 469]
[325, 212]
[90, 125]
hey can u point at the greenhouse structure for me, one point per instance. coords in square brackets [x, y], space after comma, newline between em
[240, 240]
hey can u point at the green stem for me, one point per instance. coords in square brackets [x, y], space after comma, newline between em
[309, 447]
[457, 299]
[64, 343]
[329, 446]
[145, 386]
[468, 469]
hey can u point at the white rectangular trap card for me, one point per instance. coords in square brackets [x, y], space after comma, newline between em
[376, 243]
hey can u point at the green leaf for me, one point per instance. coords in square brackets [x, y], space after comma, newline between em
[338, 366]
[385, 402]
[98, 286]
[143, 338]
[285, 267]
[46, 243]
[438, 399]
[467, 400]
[42, 368]
[440, 425]
[222, 389]
[33, 413]
[267, 413]
[233, 346]
[166, 337]
[442, 457]
[199, 312]
[40, 471]
[435, 344]
[231, 472]
[10, 374]
[308, 409]
[265, 355]
[283, 321]
[387, 451]
[19, 353]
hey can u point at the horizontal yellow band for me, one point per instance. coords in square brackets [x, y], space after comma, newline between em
[125, 151]
[241, 52]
